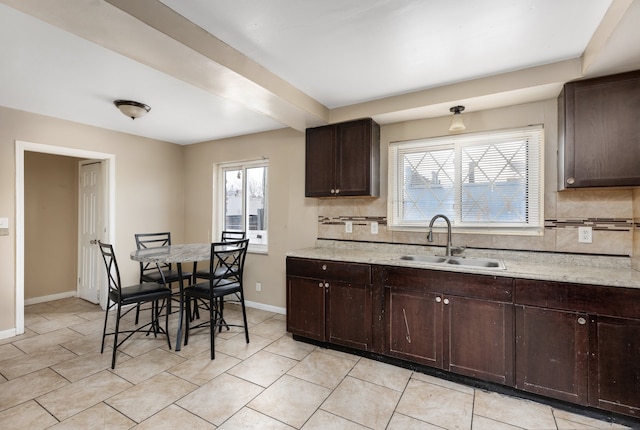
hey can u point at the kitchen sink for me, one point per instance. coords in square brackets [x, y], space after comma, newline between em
[471, 262]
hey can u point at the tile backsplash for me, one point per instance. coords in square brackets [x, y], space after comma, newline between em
[614, 216]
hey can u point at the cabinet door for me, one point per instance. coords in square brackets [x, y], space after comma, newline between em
[552, 353]
[600, 131]
[306, 307]
[349, 311]
[615, 376]
[355, 158]
[414, 326]
[478, 338]
[320, 162]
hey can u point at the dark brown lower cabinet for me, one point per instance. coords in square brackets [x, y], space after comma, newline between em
[430, 321]
[552, 350]
[335, 308]
[615, 362]
[573, 342]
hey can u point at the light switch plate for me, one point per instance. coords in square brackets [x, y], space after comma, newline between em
[374, 227]
[4, 222]
[348, 226]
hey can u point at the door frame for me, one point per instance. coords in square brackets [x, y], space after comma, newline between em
[109, 177]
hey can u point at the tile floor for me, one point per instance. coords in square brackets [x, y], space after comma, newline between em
[54, 377]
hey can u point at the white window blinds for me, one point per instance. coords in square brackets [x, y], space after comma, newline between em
[490, 180]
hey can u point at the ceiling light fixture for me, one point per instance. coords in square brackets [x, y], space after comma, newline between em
[132, 109]
[456, 121]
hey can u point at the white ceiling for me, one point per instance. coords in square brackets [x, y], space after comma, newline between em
[211, 69]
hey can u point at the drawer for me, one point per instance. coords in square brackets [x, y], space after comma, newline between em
[595, 299]
[329, 270]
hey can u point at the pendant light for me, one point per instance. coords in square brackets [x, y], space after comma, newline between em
[456, 121]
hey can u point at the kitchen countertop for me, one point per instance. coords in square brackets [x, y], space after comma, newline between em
[581, 269]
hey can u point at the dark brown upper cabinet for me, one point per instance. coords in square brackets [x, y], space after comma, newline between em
[343, 160]
[599, 132]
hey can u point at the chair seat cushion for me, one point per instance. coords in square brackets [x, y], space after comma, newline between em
[147, 291]
[169, 276]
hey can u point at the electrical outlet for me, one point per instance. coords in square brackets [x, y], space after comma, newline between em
[258, 286]
[374, 227]
[348, 226]
[585, 235]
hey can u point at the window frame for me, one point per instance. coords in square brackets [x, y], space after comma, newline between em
[219, 199]
[535, 187]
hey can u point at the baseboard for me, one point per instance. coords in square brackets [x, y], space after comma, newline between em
[7, 333]
[263, 307]
[50, 298]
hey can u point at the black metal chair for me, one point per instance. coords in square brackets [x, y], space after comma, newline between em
[226, 266]
[118, 296]
[149, 271]
[203, 273]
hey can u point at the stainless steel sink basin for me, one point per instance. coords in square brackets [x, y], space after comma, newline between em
[492, 263]
[471, 262]
[424, 258]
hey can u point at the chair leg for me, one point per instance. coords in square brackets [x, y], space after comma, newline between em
[104, 330]
[115, 338]
[166, 324]
[212, 329]
[137, 312]
[244, 316]
[188, 318]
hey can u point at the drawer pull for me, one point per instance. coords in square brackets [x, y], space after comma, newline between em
[320, 284]
[438, 299]
[446, 301]
[582, 321]
[324, 267]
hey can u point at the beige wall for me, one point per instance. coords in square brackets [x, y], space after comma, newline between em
[51, 224]
[148, 196]
[292, 217]
[610, 212]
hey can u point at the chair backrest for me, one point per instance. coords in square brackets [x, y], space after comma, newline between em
[111, 264]
[227, 262]
[152, 240]
[229, 236]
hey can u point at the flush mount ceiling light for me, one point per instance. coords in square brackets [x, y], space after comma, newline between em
[456, 121]
[132, 109]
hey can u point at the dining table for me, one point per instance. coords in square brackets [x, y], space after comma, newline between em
[175, 254]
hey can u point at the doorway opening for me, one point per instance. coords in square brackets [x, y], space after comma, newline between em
[108, 161]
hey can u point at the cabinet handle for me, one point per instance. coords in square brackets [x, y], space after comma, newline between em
[337, 190]
[326, 285]
[446, 301]
[571, 181]
[406, 324]
[320, 284]
[438, 299]
[582, 321]
[324, 267]
[333, 191]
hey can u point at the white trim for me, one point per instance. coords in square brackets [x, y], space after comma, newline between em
[50, 298]
[110, 178]
[4, 334]
[263, 307]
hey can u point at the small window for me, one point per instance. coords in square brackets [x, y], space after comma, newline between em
[492, 181]
[243, 201]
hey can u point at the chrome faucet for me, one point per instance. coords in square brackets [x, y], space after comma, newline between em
[430, 234]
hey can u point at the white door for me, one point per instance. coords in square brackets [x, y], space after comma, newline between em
[90, 228]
